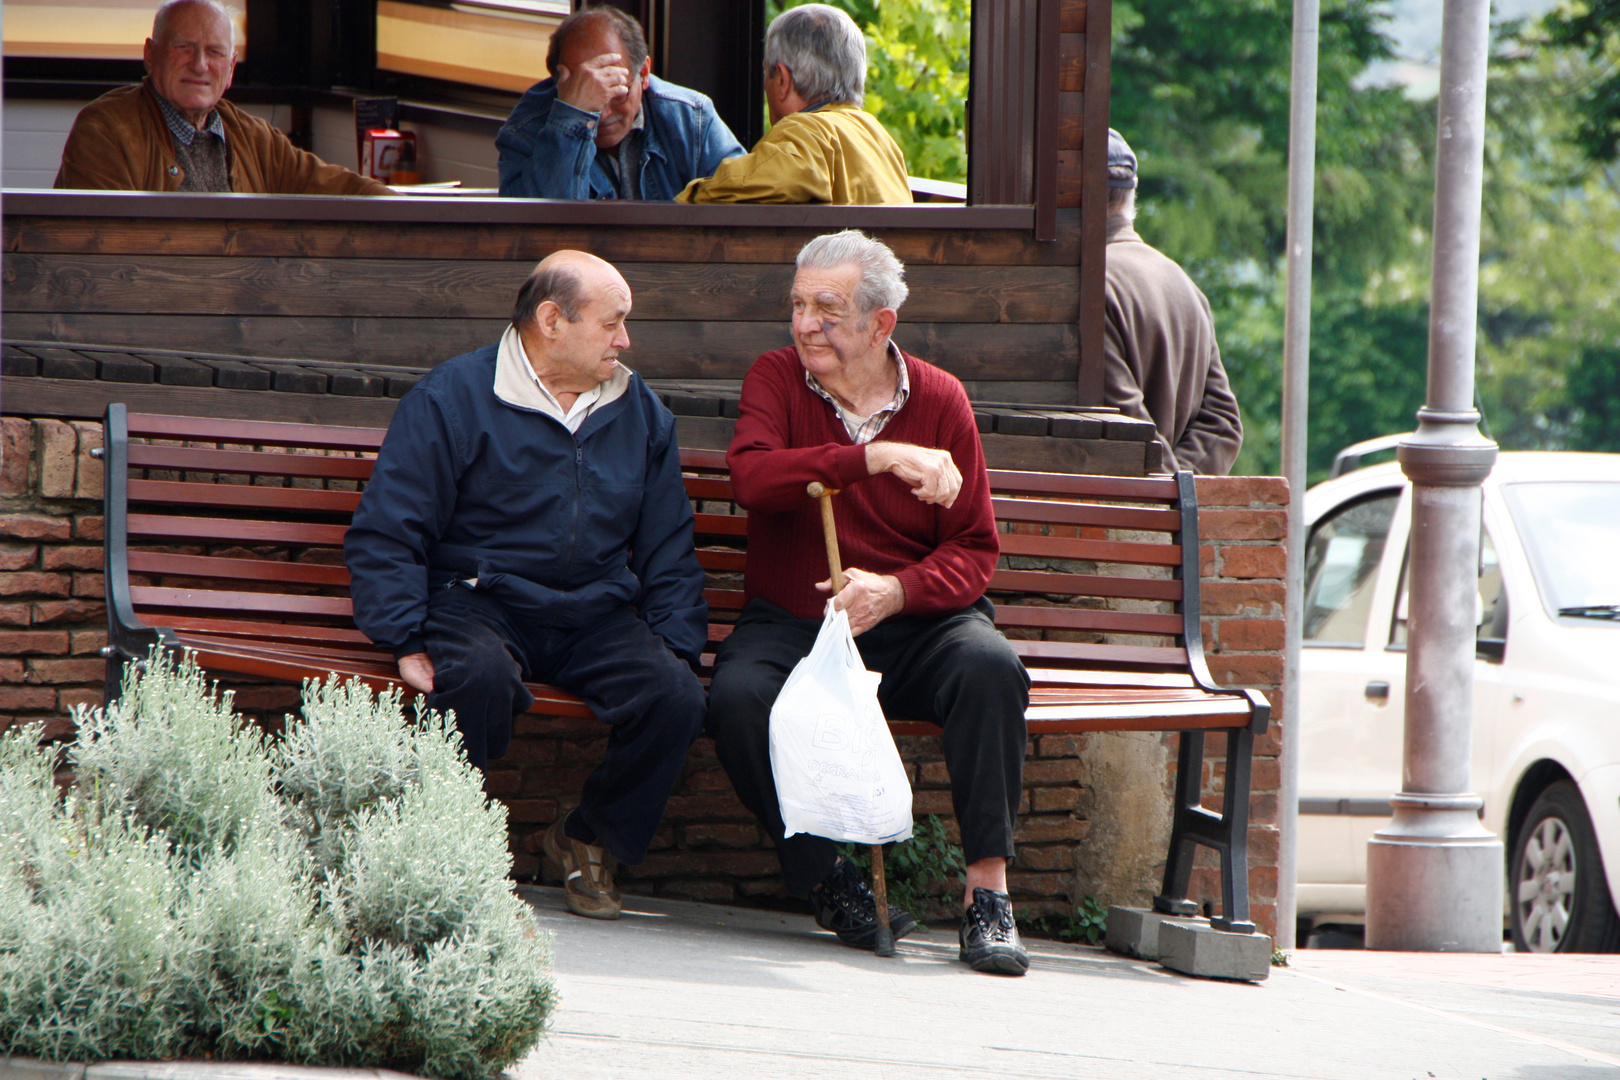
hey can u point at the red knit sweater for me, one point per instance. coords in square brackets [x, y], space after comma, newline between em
[787, 436]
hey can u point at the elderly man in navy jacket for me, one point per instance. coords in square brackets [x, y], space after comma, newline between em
[527, 521]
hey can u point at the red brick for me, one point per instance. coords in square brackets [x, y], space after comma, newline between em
[58, 458]
[1060, 746]
[34, 527]
[19, 556]
[267, 697]
[771, 886]
[86, 641]
[500, 783]
[12, 671]
[88, 585]
[1265, 774]
[73, 558]
[1241, 491]
[33, 643]
[1265, 918]
[724, 836]
[1251, 635]
[1251, 598]
[708, 864]
[1270, 744]
[87, 485]
[1264, 845]
[90, 699]
[15, 614]
[1046, 830]
[1263, 882]
[88, 527]
[1254, 669]
[1206, 561]
[34, 583]
[16, 451]
[1252, 561]
[933, 774]
[1048, 800]
[58, 728]
[1054, 857]
[1242, 524]
[1052, 771]
[50, 611]
[531, 811]
[708, 780]
[930, 802]
[688, 807]
[27, 697]
[66, 671]
[1263, 808]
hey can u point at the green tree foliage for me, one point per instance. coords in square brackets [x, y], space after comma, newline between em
[917, 55]
[339, 897]
[1593, 28]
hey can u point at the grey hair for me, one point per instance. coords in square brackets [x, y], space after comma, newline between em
[160, 23]
[1122, 201]
[823, 50]
[883, 276]
[560, 283]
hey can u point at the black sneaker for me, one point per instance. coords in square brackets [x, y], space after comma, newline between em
[990, 937]
[847, 907]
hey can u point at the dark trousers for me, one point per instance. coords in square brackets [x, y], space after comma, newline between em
[649, 698]
[956, 671]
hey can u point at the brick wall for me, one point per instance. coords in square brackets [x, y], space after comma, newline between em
[52, 624]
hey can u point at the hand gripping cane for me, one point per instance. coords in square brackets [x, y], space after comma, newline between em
[880, 886]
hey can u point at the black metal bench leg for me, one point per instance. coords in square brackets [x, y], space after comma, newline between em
[1235, 827]
[1183, 840]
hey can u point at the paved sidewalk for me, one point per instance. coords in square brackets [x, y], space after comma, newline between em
[693, 990]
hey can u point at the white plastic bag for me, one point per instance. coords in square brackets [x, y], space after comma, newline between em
[837, 771]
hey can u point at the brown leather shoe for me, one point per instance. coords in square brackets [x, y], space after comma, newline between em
[587, 873]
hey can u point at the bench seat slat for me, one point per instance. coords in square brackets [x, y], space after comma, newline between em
[237, 530]
[258, 432]
[708, 487]
[249, 462]
[207, 566]
[1111, 551]
[1082, 652]
[269, 631]
[721, 525]
[721, 559]
[148, 596]
[243, 496]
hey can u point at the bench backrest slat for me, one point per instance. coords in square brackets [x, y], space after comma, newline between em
[249, 462]
[244, 496]
[204, 566]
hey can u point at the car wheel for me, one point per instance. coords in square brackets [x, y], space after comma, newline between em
[1560, 892]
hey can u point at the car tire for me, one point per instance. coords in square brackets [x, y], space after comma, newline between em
[1559, 892]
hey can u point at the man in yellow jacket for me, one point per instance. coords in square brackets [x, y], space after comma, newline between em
[821, 147]
[173, 131]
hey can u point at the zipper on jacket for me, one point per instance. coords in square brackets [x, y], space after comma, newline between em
[579, 495]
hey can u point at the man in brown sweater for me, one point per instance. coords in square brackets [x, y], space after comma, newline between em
[1161, 360]
[174, 132]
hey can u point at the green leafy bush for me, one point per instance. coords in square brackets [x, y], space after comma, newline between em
[924, 874]
[337, 897]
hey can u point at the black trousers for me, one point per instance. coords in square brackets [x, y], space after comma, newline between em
[649, 698]
[956, 671]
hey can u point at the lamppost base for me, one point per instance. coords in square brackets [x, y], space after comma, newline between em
[1434, 894]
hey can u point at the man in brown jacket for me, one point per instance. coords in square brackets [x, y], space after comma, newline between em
[174, 132]
[1161, 360]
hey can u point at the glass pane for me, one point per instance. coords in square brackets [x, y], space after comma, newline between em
[1569, 528]
[500, 45]
[89, 29]
[1341, 569]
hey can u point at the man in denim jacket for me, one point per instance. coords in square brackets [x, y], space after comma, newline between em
[602, 127]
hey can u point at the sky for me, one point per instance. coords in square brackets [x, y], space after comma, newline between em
[1415, 26]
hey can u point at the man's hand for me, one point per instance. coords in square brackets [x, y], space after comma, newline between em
[932, 474]
[417, 670]
[595, 84]
[869, 598]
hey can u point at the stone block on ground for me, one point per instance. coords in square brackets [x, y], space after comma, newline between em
[1214, 954]
[1134, 931]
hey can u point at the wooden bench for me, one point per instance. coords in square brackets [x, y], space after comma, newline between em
[224, 537]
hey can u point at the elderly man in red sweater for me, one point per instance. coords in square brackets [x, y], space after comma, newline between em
[896, 437]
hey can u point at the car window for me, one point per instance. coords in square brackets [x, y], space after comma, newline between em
[1341, 569]
[1569, 528]
[1490, 608]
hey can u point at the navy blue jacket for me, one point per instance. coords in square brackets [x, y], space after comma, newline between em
[548, 148]
[561, 528]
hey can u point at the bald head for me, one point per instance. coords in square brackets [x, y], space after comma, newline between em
[211, 11]
[571, 315]
[567, 279]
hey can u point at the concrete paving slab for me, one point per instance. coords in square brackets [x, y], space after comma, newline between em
[692, 990]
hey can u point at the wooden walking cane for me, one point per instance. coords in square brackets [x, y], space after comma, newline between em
[880, 886]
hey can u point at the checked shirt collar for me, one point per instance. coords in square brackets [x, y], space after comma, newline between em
[863, 429]
[181, 127]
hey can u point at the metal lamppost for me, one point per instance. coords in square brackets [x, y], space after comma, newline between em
[1434, 874]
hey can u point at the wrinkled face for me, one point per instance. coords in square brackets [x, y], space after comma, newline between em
[590, 347]
[614, 123]
[826, 326]
[193, 64]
